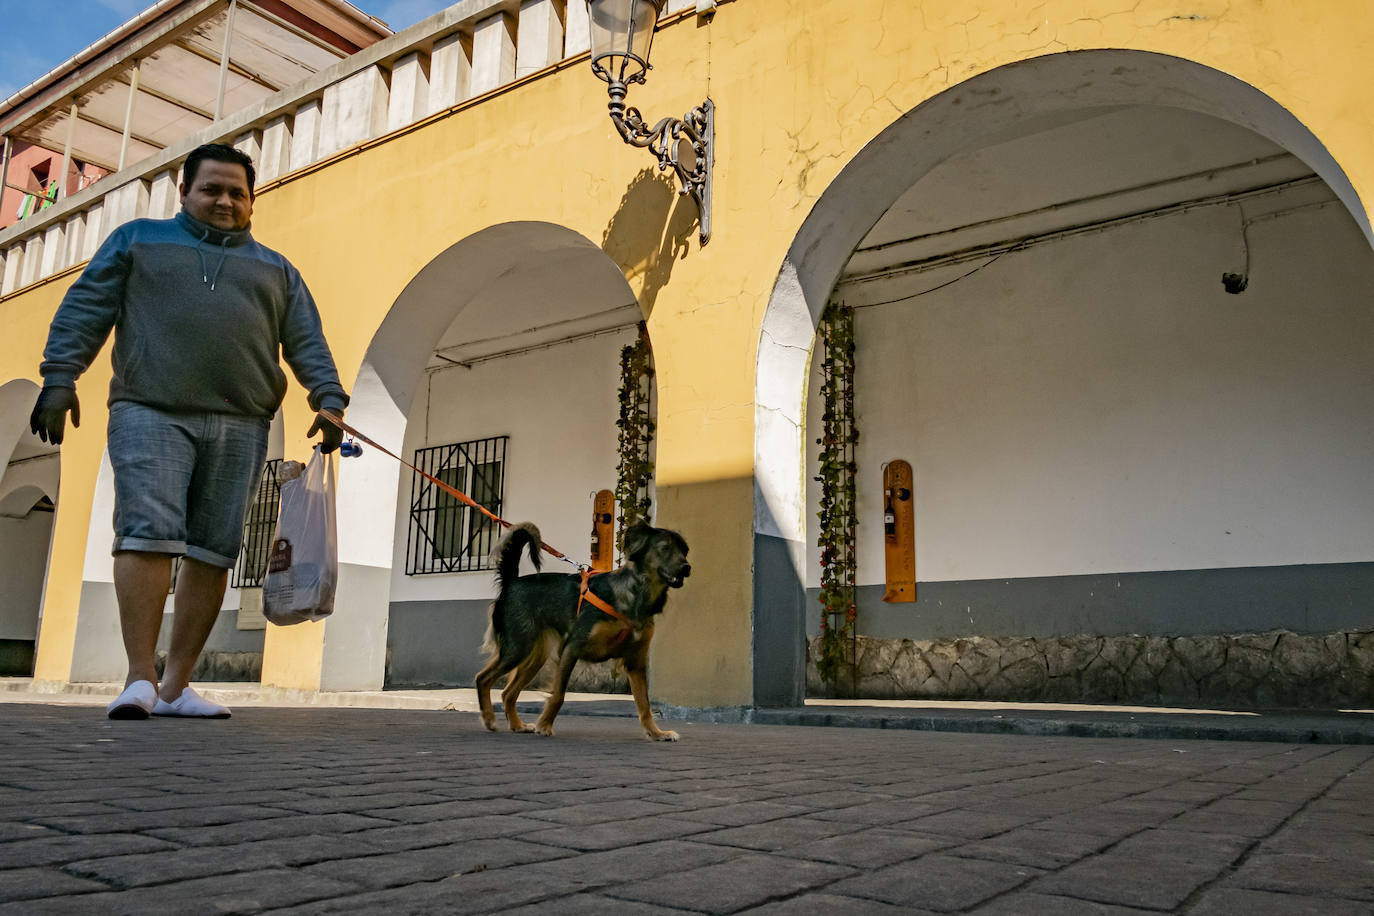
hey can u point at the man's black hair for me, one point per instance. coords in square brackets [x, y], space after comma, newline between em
[219, 152]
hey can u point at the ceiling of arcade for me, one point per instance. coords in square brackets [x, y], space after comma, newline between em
[1091, 167]
[552, 296]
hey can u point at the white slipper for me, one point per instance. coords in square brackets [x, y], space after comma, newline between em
[137, 700]
[191, 705]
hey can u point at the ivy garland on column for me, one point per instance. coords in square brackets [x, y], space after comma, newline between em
[837, 472]
[636, 426]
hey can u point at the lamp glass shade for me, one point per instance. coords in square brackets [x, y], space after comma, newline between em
[621, 33]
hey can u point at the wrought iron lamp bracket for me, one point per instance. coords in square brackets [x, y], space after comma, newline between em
[664, 140]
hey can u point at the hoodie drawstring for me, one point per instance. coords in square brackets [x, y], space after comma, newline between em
[205, 275]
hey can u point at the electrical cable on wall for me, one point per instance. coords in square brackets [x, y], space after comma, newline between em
[1233, 283]
[996, 250]
[925, 292]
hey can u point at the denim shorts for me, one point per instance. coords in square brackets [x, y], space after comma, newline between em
[183, 481]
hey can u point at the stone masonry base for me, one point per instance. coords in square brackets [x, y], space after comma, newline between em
[1250, 670]
[233, 667]
[222, 666]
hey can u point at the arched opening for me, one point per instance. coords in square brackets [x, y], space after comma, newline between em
[28, 498]
[1123, 466]
[497, 370]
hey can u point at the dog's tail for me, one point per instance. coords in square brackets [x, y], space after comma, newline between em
[507, 559]
[521, 537]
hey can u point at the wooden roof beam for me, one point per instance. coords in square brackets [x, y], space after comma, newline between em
[82, 77]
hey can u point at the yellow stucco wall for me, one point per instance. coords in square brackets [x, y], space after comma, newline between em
[801, 86]
[24, 320]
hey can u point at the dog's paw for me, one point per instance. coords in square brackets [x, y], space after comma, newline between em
[543, 731]
[663, 736]
[489, 723]
[522, 728]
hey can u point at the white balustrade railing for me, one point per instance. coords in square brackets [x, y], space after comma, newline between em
[473, 47]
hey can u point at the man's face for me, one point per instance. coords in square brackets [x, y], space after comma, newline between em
[219, 196]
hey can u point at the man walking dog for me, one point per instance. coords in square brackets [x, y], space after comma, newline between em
[201, 314]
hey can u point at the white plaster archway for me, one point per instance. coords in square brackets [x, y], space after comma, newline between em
[521, 281]
[1008, 102]
[17, 500]
[16, 401]
[29, 473]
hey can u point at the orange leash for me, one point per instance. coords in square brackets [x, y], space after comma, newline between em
[451, 491]
[584, 592]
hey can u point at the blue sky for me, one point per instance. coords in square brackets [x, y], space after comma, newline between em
[36, 37]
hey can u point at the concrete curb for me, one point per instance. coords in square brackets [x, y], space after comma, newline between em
[1287, 728]
[1044, 720]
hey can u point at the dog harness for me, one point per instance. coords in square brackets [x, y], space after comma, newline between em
[585, 594]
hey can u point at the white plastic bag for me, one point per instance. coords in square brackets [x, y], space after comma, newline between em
[303, 568]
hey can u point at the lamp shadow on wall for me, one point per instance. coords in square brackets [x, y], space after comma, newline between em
[648, 233]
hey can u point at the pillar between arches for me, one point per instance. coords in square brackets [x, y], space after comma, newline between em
[347, 650]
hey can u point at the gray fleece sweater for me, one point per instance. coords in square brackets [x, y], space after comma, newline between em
[201, 319]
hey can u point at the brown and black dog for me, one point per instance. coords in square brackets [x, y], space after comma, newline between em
[535, 616]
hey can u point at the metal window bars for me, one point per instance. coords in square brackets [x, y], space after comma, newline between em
[258, 529]
[443, 534]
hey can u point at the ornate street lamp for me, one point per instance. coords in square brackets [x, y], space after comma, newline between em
[622, 31]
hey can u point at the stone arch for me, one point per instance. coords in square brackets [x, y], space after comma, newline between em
[1008, 102]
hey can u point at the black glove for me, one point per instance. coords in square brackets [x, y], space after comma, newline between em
[49, 415]
[331, 436]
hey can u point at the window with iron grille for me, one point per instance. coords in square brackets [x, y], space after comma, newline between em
[446, 535]
[258, 529]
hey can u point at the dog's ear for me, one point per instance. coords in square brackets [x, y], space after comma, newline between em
[637, 540]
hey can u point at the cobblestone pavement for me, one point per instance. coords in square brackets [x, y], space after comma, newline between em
[307, 811]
